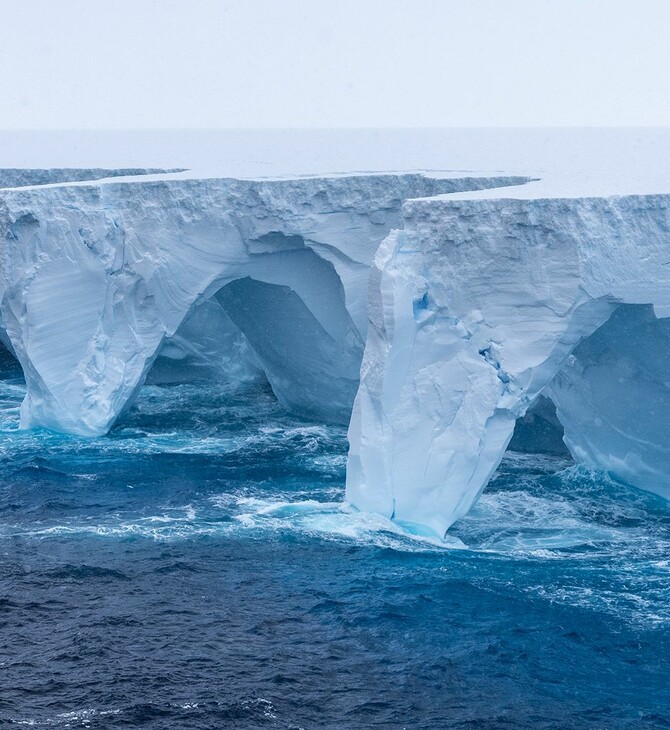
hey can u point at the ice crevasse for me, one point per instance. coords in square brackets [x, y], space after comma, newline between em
[441, 314]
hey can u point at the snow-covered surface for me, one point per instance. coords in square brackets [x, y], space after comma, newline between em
[493, 277]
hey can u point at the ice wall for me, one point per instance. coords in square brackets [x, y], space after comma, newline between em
[475, 306]
[99, 280]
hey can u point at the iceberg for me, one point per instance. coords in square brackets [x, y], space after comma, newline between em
[429, 311]
[100, 280]
[478, 307]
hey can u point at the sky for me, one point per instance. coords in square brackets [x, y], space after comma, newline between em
[220, 64]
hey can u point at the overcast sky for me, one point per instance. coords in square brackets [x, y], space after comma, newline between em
[126, 64]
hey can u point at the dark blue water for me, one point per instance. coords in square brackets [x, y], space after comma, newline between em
[197, 569]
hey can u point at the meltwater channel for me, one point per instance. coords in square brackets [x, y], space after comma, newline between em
[197, 569]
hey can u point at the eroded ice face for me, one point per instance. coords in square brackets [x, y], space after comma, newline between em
[100, 277]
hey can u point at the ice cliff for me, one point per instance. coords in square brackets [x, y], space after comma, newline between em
[441, 314]
[99, 280]
[477, 307]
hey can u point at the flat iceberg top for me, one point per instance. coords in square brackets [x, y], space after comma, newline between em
[568, 163]
[612, 180]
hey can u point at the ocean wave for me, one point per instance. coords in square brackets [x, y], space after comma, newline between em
[194, 461]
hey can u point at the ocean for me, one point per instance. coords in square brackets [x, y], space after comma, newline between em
[197, 568]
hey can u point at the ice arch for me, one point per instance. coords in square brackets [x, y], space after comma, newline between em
[613, 395]
[286, 319]
[475, 307]
[98, 278]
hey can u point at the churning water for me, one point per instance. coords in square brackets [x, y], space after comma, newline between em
[197, 569]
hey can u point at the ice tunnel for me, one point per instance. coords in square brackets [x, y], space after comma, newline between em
[286, 321]
[311, 365]
[539, 430]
